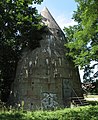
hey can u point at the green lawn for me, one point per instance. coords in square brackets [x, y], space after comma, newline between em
[91, 96]
[79, 113]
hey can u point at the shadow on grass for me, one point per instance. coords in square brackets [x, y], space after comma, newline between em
[93, 103]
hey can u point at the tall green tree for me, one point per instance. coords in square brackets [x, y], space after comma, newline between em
[19, 28]
[83, 38]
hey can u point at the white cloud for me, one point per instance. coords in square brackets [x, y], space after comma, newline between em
[64, 21]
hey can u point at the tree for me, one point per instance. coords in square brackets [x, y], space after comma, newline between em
[19, 28]
[83, 38]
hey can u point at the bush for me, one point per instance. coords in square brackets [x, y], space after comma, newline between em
[79, 113]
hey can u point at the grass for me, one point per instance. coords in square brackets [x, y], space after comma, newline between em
[79, 113]
[91, 96]
[92, 99]
[93, 103]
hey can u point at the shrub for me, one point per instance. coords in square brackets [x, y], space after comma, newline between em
[79, 113]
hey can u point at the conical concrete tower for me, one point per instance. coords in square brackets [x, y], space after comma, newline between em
[48, 19]
[45, 77]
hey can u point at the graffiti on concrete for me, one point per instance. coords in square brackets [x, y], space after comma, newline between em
[49, 100]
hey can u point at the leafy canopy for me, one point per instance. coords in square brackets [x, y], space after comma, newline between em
[19, 28]
[83, 38]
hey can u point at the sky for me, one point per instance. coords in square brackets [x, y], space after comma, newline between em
[61, 10]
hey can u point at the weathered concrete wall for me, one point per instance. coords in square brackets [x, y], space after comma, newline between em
[45, 77]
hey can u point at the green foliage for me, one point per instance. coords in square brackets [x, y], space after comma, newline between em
[80, 113]
[19, 28]
[83, 38]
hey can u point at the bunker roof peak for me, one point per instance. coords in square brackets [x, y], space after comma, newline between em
[48, 19]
